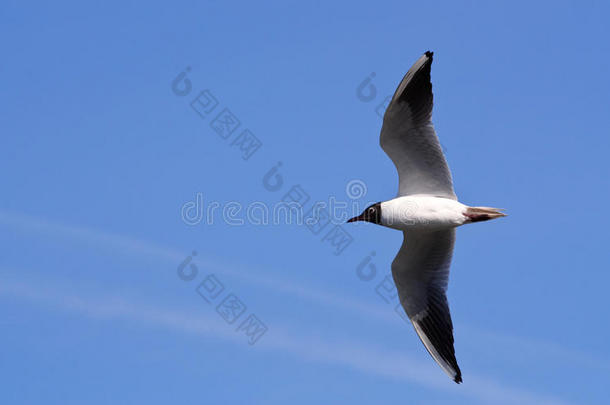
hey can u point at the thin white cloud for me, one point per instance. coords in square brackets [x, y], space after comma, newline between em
[136, 247]
[359, 356]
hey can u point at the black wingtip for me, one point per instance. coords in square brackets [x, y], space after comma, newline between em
[429, 54]
[458, 378]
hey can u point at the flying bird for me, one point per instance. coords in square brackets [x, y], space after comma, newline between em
[426, 210]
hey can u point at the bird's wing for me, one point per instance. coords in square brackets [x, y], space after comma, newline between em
[408, 137]
[421, 274]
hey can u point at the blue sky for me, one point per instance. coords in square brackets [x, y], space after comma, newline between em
[99, 155]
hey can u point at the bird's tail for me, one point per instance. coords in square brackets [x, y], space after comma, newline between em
[476, 214]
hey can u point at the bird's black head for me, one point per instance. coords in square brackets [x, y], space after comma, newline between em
[370, 214]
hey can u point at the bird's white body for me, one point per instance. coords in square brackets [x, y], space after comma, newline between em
[422, 212]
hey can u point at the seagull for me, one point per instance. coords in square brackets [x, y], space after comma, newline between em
[427, 212]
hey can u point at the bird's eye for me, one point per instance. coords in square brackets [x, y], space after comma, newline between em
[371, 210]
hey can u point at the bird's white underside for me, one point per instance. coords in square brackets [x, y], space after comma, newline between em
[422, 213]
